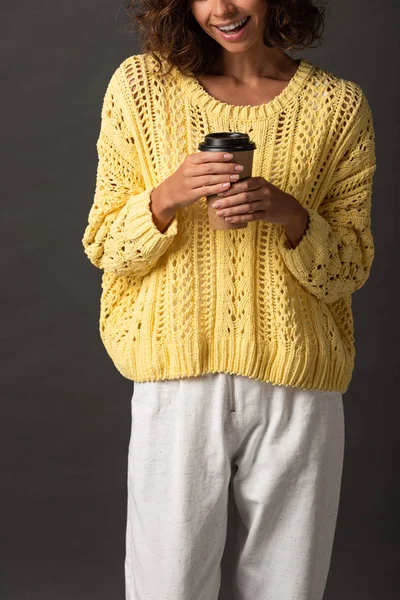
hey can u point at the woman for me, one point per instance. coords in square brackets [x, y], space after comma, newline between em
[239, 343]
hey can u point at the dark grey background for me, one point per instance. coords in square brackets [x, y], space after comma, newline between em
[65, 410]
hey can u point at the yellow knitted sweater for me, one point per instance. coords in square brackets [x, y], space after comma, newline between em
[192, 300]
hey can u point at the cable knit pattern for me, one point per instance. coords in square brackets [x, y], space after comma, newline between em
[191, 300]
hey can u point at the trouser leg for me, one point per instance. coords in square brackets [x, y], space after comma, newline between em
[286, 489]
[178, 479]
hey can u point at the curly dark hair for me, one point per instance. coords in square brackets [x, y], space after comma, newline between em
[171, 34]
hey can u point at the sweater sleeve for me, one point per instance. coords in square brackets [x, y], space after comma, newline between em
[334, 257]
[121, 236]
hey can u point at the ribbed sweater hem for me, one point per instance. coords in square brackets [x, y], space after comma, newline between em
[292, 366]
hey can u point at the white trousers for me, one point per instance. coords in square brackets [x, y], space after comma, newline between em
[279, 449]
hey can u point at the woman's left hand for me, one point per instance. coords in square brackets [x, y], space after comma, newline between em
[255, 199]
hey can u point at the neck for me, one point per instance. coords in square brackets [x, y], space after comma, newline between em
[245, 68]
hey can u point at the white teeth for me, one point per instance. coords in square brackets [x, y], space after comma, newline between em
[233, 26]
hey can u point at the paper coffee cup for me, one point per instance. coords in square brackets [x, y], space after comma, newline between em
[242, 148]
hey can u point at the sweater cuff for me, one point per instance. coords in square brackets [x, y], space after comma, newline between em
[139, 225]
[302, 259]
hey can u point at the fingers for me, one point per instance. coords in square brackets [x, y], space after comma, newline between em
[204, 157]
[210, 170]
[208, 173]
[214, 162]
[240, 209]
[246, 185]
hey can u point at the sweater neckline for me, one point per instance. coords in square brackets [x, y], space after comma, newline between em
[198, 96]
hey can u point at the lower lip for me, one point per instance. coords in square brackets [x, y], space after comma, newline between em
[232, 37]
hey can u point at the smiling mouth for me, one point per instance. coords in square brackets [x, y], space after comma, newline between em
[236, 28]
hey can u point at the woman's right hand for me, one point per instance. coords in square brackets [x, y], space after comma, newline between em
[200, 174]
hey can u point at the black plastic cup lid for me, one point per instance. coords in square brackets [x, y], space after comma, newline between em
[226, 142]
